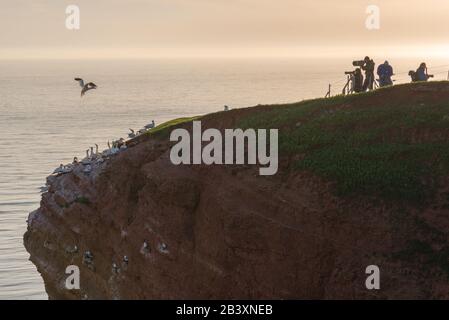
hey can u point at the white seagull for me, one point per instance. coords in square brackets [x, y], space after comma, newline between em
[85, 87]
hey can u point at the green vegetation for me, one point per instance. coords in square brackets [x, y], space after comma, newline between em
[163, 129]
[396, 148]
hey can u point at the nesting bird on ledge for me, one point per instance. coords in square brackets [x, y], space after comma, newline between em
[85, 87]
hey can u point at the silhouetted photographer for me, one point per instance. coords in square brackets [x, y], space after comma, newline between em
[368, 66]
[355, 80]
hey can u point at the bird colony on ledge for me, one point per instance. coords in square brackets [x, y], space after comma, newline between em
[96, 157]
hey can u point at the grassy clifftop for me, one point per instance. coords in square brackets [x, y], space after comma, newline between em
[393, 142]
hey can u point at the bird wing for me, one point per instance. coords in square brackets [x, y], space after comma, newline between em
[84, 90]
[80, 81]
[91, 85]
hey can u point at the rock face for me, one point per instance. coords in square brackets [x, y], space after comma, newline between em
[197, 231]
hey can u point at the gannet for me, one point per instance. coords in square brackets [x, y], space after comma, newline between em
[86, 160]
[59, 169]
[115, 268]
[145, 247]
[132, 134]
[85, 87]
[87, 169]
[150, 125]
[67, 169]
[163, 248]
[125, 263]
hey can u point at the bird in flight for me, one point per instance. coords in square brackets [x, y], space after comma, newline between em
[85, 87]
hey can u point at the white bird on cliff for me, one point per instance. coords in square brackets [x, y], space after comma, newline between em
[163, 248]
[87, 159]
[85, 87]
[87, 169]
[132, 134]
[67, 169]
[150, 125]
[59, 169]
[145, 247]
[115, 268]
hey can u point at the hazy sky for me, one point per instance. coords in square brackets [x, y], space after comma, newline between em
[144, 28]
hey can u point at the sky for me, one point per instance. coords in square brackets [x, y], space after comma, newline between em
[228, 28]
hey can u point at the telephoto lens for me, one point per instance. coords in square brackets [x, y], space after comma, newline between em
[358, 63]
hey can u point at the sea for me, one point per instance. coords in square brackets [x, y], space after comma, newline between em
[45, 122]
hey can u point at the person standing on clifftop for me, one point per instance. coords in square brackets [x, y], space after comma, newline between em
[368, 67]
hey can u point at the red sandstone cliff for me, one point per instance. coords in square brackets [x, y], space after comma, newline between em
[225, 232]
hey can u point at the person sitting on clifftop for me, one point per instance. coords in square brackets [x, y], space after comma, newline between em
[421, 73]
[358, 81]
[385, 71]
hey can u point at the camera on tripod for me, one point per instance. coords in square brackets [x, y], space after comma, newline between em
[354, 82]
[358, 63]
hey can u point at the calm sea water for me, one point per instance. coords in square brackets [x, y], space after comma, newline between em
[44, 122]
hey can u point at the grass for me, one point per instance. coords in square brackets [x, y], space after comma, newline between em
[365, 149]
[163, 129]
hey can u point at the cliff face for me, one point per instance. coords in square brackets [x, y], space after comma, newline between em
[196, 231]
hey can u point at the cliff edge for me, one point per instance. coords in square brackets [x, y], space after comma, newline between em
[362, 180]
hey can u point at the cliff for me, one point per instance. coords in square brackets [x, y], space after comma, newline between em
[362, 180]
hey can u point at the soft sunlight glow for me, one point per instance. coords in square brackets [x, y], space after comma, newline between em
[137, 29]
